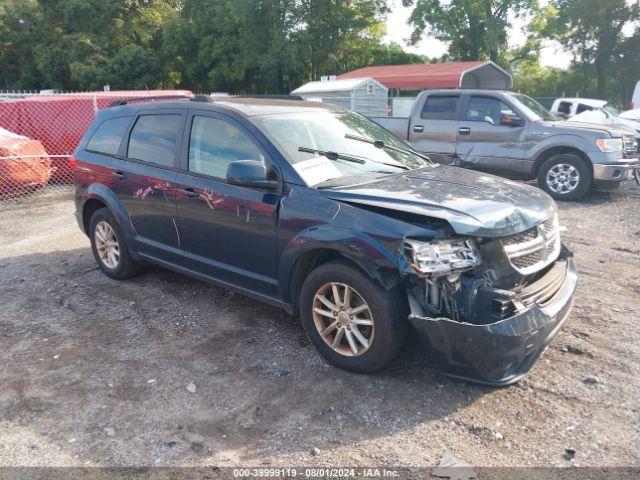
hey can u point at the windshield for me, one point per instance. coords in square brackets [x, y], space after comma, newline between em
[611, 110]
[324, 131]
[532, 109]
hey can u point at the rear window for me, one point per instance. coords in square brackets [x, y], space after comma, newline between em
[440, 107]
[108, 136]
[583, 108]
[154, 139]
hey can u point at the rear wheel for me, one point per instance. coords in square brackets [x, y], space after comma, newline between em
[565, 177]
[352, 321]
[109, 248]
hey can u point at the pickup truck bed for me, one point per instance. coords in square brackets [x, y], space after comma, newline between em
[399, 126]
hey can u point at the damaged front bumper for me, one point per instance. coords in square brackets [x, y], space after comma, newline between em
[499, 353]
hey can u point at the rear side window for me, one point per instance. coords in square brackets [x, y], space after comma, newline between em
[583, 108]
[441, 107]
[154, 139]
[108, 136]
[215, 143]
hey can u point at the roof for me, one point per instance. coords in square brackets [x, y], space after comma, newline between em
[248, 106]
[339, 85]
[432, 75]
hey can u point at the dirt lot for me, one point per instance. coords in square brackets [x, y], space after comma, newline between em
[95, 372]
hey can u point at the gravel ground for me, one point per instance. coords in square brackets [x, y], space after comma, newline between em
[99, 372]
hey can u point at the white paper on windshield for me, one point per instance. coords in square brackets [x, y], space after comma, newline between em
[317, 170]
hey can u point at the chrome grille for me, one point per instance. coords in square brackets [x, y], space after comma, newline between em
[528, 260]
[630, 145]
[543, 289]
[532, 250]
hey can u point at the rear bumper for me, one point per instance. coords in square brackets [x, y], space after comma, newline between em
[616, 172]
[499, 353]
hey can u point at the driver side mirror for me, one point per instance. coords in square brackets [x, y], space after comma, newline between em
[252, 174]
[511, 121]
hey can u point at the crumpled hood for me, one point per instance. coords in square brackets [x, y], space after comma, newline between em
[473, 203]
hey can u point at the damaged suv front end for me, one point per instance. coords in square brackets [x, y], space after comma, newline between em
[486, 308]
[492, 287]
[478, 258]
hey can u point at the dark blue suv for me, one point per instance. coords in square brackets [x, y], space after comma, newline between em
[321, 212]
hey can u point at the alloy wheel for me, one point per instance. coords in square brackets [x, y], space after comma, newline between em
[563, 178]
[107, 244]
[343, 319]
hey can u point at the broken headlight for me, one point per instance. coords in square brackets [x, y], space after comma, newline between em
[441, 257]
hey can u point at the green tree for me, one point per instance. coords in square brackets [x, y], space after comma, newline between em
[330, 32]
[239, 46]
[474, 29]
[233, 45]
[628, 68]
[593, 31]
[76, 44]
[272, 46]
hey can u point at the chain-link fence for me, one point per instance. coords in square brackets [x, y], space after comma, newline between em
[39, 134]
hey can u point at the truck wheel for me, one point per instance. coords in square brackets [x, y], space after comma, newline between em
[565, 177]
[352, 321]
[109, 248]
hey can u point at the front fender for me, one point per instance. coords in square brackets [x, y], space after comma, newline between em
[550, 142]
[380, 261]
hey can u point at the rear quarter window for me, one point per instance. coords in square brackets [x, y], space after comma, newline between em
[108, 136]
[583, 108]
[154, 139]
[440, 107]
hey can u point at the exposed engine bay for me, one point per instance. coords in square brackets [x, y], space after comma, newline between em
[484, 280]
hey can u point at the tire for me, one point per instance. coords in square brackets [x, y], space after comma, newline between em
[125, 266]
[565, 166]
[387, 312]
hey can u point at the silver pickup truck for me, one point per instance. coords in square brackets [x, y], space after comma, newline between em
[512, 135]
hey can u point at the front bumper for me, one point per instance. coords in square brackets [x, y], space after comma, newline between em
[616, 172]
[502, 352]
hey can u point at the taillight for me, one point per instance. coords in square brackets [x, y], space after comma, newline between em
[631, 106]
[73, 163]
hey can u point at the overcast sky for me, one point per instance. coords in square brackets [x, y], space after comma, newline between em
[399, 31]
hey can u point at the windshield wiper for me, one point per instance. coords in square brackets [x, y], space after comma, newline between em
[332, 155]
[386, 146]
[350, 158]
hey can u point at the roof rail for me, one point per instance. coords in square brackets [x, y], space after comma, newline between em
[126, 101]
[199, 98]
[272, 97]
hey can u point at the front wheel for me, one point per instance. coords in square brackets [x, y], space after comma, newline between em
[352, 321]
[565, 177]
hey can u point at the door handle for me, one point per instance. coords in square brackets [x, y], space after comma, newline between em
[189, 192]
[464, 130]
[418, 128]
[119, 175]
